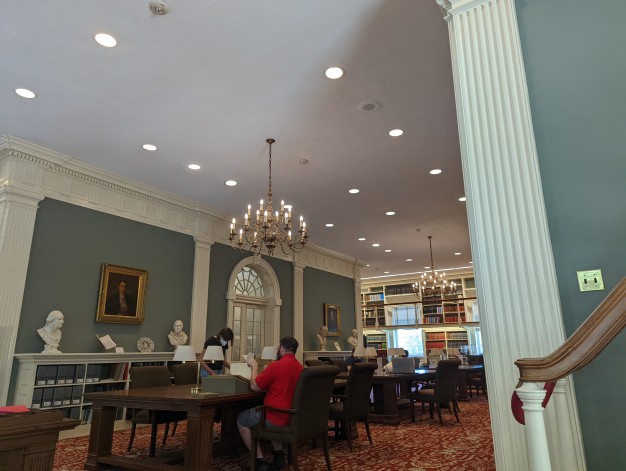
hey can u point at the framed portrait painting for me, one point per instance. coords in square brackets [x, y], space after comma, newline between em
[122, 295]
[331, 319]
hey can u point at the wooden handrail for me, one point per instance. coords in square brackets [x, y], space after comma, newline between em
[600, 328]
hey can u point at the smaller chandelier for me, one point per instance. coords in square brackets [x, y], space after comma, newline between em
[433, 285]
[270, 229]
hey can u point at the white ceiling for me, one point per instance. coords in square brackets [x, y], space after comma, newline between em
[211, 80]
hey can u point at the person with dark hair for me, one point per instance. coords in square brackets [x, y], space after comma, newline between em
[278, 380]
[221, 339]
[351, 360]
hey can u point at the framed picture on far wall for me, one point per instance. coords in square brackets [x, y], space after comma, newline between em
[331, 319]
[122, 295]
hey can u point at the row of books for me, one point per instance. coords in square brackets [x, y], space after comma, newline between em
[435, 336]
[453, 318]
[57, 396]
[435, 344]
[81, 373]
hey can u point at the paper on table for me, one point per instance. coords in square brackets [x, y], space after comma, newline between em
[107, 342]
[247, 357]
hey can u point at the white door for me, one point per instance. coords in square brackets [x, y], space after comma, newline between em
[249, 329]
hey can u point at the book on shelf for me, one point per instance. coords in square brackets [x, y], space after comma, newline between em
[40, 376]
[37, 396]
[46, 400]
[79, 375]
[77, 394]
[57, 397]
[67, 395]
[51, 374]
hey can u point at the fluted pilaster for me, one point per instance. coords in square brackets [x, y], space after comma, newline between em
[514, 267]
[200, 293]
[18, 209]
[298, 305]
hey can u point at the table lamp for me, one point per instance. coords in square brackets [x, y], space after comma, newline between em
[395, 352]
[359, 352]
[212, 353]
[184, 353]
[370, 352]
[269, 353]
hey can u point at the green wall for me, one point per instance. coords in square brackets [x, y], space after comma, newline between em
[575, 58]
[70, 243]
[322, 287]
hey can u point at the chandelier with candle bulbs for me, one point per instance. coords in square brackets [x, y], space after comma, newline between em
[433, 285]
[269, 228]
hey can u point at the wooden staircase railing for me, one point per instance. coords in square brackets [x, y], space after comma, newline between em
[600, 328]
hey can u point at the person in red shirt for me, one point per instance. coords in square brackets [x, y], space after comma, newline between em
[278, 380]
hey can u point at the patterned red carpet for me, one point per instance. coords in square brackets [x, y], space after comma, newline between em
[420, 446]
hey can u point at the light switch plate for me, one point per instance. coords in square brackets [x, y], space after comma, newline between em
[590, 280]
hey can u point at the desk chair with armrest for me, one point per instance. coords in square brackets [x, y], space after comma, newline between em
[151, 377]
[443, 391]
[314, 363]
[308, 415]
[354, 404]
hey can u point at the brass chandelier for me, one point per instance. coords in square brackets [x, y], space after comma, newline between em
[270, 228]
[433, 285]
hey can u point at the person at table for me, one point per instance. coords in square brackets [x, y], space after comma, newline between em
[221, 339]
[278, 380]
[351, 360]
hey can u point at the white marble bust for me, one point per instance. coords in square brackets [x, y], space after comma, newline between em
[353, 340]
[177, 336]
[51, 332]
[321, 337]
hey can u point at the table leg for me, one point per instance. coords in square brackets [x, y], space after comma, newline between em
[199, 441]
[101, 435]
[461, 385]
[385, 403]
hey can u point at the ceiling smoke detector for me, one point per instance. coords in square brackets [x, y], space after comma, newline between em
[370, 105]
[159, 8]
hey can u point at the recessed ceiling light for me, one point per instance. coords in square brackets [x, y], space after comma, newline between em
[387, 250]
[386, 272]
[409, 259]
[105, 40]
[457, 253]
[230, 183]
[367, 265]
[361, 238]
[330, 225]
[396, 132]
[354, 191]
[334, 73]
[25, 93]
[390, 213]
[436, 171]
[149, 147]
[462, 198]
[194, 166]
[375, 245]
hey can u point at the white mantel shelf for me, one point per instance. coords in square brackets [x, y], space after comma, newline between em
[102, 357]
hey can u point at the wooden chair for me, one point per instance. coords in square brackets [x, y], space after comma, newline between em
[150, 377]
[314, 363]
[443, 391]
[309, 415]
[186, 373]
[340, 363]
[355, 403]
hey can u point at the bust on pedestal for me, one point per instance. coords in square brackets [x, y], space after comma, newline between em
[321, 337]
[51, 332]
[353, 340]
[177, 336]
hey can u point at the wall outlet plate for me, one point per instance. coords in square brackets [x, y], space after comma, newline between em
[590, 280]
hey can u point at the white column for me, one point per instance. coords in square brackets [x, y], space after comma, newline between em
[18, 209]
[513, 263]
[200, 293]
[358, 313]
[298, 306]
[568, 456]
[532, 395]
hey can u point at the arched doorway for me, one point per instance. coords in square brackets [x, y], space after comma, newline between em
[253, 306]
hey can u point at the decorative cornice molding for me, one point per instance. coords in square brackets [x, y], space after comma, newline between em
[46, 173]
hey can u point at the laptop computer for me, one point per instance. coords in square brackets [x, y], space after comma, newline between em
[403, 365]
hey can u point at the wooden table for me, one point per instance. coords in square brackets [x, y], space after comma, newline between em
[387, 404]
[461, 379]
[200, 414]
[28, 440]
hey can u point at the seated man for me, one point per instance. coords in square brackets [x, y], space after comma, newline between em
[279, 380]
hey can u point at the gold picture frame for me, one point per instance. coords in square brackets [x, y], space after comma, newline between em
[122, 295]
[332, 321]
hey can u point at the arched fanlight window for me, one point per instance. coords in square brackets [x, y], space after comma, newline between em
[248, 283]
